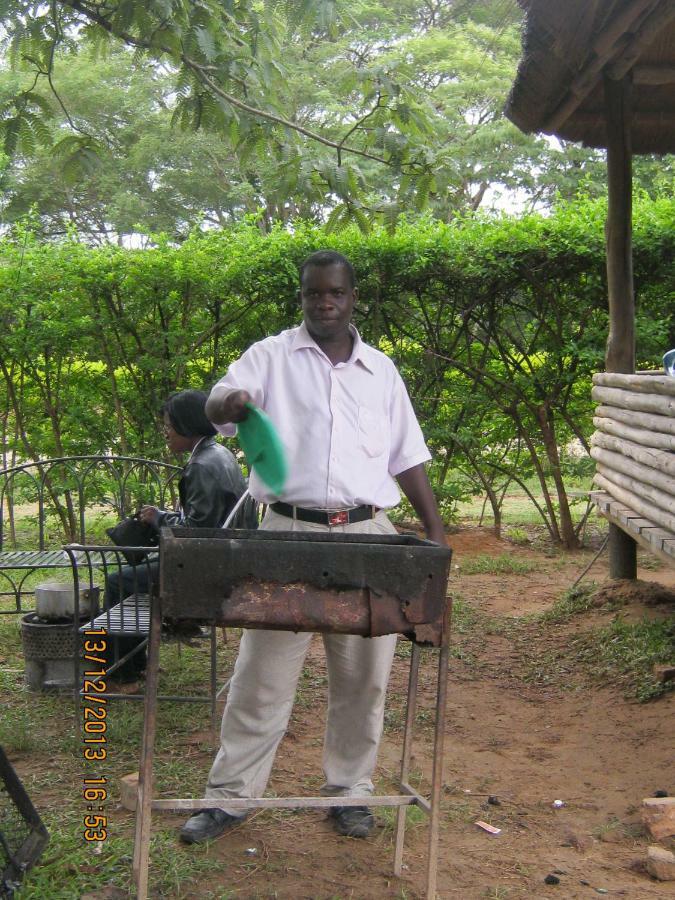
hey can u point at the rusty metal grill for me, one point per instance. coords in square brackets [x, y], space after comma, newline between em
[22, 834]
[306, 581]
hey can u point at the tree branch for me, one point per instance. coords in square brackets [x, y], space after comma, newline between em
[202, 73]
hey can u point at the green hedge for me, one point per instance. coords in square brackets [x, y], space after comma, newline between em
[489, 320]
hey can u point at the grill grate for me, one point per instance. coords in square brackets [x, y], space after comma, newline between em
[23, 837]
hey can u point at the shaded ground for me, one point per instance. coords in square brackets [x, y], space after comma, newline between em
[526, 725]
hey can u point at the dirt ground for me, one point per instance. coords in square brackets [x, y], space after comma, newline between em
[526, 726]
[520, 737]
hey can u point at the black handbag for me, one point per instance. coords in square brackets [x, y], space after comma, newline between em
[131, 532]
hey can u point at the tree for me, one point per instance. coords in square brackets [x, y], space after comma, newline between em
[162, 114]
[227, 63]
[147, 176]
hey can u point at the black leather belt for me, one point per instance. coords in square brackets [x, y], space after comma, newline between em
[329, 517]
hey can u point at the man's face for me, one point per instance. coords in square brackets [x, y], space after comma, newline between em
[327, 300]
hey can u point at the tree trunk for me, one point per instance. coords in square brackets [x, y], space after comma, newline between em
[568, 535]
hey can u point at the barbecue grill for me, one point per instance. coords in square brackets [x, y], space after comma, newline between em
[303, 581]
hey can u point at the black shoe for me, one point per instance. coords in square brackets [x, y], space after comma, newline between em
[206, 825]
[352, 821]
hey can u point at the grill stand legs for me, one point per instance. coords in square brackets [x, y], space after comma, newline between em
[145, 784]
[408, 797]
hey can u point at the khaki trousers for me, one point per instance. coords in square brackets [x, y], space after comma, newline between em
[262, 691]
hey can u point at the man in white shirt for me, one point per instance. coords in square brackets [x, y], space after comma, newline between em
[350, 433]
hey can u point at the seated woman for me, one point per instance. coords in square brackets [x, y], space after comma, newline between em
[209, 487]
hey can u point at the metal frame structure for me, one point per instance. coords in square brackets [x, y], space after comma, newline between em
[70, 481]
[131, 616]
[23, 835]
[408, 796]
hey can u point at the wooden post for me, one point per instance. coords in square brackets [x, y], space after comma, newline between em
[620, 355]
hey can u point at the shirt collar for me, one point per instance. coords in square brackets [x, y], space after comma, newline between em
[303, 340]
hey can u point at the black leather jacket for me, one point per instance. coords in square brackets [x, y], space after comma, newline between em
[209, 487]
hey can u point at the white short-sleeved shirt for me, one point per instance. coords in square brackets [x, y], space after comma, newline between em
[348, 429]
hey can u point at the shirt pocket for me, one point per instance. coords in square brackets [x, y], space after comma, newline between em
[373, 432]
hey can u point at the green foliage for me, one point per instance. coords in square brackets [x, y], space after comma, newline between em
[628, 652]
[307, 90]
[156, 116]
[572, 602]
[496, 326]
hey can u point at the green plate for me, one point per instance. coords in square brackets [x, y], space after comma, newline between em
[263, 448]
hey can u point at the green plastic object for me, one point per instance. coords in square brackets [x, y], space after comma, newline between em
[263, 448]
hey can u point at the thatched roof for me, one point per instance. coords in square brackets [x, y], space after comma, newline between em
[569, 46]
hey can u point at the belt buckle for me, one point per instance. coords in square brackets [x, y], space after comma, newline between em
[340, 517]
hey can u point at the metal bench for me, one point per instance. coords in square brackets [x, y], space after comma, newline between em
[67, 488]
[129, 617]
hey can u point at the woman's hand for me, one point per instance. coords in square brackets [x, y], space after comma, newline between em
[149, 515]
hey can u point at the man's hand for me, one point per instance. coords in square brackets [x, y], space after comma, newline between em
[437, 534]
[222, 408]
[415, 485]
[149, 515]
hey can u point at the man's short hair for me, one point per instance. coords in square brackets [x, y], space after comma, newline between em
[329, 258]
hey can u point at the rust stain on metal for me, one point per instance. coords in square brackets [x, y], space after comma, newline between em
[299, 606]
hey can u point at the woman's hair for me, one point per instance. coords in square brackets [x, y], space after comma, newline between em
[186, 413]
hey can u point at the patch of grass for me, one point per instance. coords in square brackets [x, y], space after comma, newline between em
[504, 564]
[312, 684]
[177, 776]
[403, 649]
[508, 626]
[69, 866]
[414, 818]
[574, 601]
[178, 869]
[17, 730]
[651, 563]
[26, 720]
[550, 667]
[464, 617]
[394, 716]
[459, 811]
[426, 718]
[627, 652]
[517, 535]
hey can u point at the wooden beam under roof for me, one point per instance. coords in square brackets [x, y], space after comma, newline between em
[653, 74]
[615, 40]
[659, 19]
